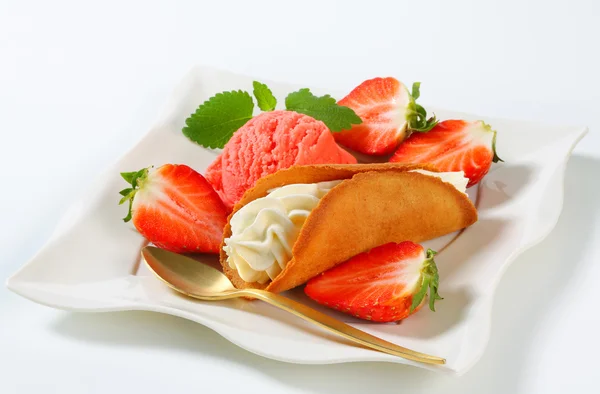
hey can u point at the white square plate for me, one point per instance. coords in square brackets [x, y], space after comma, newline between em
[519, 202]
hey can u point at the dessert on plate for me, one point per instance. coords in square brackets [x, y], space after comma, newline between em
[283, 205]
[302, 221]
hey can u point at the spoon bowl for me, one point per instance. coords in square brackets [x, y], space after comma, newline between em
[186, 275]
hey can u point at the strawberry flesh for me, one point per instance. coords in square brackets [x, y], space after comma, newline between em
[381, 104]
[387, 283]
[453, 145]
[176, 209]
[389, 113]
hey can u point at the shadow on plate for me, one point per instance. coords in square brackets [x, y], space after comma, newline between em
[520, 307]
[463, 249]
[494, 192]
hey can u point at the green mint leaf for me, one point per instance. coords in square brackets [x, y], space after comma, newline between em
[215, 121]
[264, 96]
[325, 109]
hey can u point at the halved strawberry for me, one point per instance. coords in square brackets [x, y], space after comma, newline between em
[175, 208]
[453, 145]
[387, 283]
[389, 113]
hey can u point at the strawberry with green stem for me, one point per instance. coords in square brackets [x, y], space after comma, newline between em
[175, 208]
[387, 283]
[389, 113]
[453, 145]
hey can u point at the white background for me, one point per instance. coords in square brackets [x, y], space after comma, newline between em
[81, 83]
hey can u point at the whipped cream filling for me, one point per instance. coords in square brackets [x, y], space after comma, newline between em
[456, 178]
[264, 231]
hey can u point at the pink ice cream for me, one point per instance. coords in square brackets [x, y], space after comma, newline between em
[267, 143]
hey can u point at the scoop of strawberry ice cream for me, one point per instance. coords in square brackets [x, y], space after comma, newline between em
[267, 143]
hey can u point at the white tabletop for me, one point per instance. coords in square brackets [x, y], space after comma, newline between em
[79, 84]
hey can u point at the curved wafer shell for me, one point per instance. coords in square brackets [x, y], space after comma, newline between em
[374, 205]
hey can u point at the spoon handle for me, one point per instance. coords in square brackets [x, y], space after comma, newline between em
[337, 327]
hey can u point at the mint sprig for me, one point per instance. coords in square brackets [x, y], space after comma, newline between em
[264, 97]
[325, 108]
[215, 121]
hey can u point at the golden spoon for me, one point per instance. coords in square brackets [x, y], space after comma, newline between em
[203, 282]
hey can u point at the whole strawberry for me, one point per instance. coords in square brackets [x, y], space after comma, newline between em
[389, 113]
[175, 208]
[387, 283]
[453, 145]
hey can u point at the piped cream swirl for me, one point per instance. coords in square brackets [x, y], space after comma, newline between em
[264, 231]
